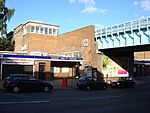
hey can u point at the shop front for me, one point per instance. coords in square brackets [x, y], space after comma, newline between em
[142, 68]
[44, 67]
[16, 67]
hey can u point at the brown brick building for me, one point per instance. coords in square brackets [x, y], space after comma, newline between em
[36, 38]
[142, 63]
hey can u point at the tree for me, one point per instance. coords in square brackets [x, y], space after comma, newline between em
[4, 44]
[106, 61]
[5, 15]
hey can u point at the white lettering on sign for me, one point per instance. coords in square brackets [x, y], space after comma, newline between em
[18, 62]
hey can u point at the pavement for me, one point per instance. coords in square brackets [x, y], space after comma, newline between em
[142, 80]
[139, 81]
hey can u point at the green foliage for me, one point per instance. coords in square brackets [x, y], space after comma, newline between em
[5, 44]
[106, 61]
[5, 15]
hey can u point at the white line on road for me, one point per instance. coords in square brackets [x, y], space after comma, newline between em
[25, 102]
[47, 101]
[106, 97]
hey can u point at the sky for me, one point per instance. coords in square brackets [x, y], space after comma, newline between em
[74, 14]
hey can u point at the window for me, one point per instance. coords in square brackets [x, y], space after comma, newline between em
[37, 29]
[54, 31]
[41, 30]
[95, 39]
[74, 54]
[50, 31]
[56, 70]
[32, 78]
[32, 28]
[80, 55]
[46, 30]
[65, 70]
[25, 78]
[77, 54]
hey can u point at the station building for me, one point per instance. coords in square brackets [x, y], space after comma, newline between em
[43, 40]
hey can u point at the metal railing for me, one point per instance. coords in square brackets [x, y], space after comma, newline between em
[131, 25]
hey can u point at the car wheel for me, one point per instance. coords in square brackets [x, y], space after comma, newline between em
[46, 89]
[134, 85]
[104, 87]
[16, 89]
[88, 88]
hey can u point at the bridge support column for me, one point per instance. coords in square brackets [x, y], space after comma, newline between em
[131, 64]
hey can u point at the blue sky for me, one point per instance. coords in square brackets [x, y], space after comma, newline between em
[74, 14]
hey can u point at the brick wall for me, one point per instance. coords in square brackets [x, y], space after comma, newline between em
[73, 41]
[18, 37]
[142, 55]
[67, 42]
[43, 43]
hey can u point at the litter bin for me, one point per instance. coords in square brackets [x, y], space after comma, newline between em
[64, 82]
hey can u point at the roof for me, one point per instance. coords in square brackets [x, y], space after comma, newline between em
[36, 22]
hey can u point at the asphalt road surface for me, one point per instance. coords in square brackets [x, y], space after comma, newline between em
[134, 100]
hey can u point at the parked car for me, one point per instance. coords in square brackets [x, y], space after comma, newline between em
[88, 83]
[124, 82]
[22, 82]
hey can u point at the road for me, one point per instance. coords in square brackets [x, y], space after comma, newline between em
[134, 100]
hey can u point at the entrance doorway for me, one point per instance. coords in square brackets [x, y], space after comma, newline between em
[42, 72]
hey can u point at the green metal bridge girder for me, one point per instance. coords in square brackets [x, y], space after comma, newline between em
[132, 33]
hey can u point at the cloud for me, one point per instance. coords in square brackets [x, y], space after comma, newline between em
[99, 26]
[90, 10]
[90, 7]
[72, 1]
[136, 3]
[88, 3]
[143, 4]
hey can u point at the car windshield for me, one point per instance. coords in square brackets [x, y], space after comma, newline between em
[85, 79]
[82, 79]
[33, 78]
[20, 77]
[7, 78]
